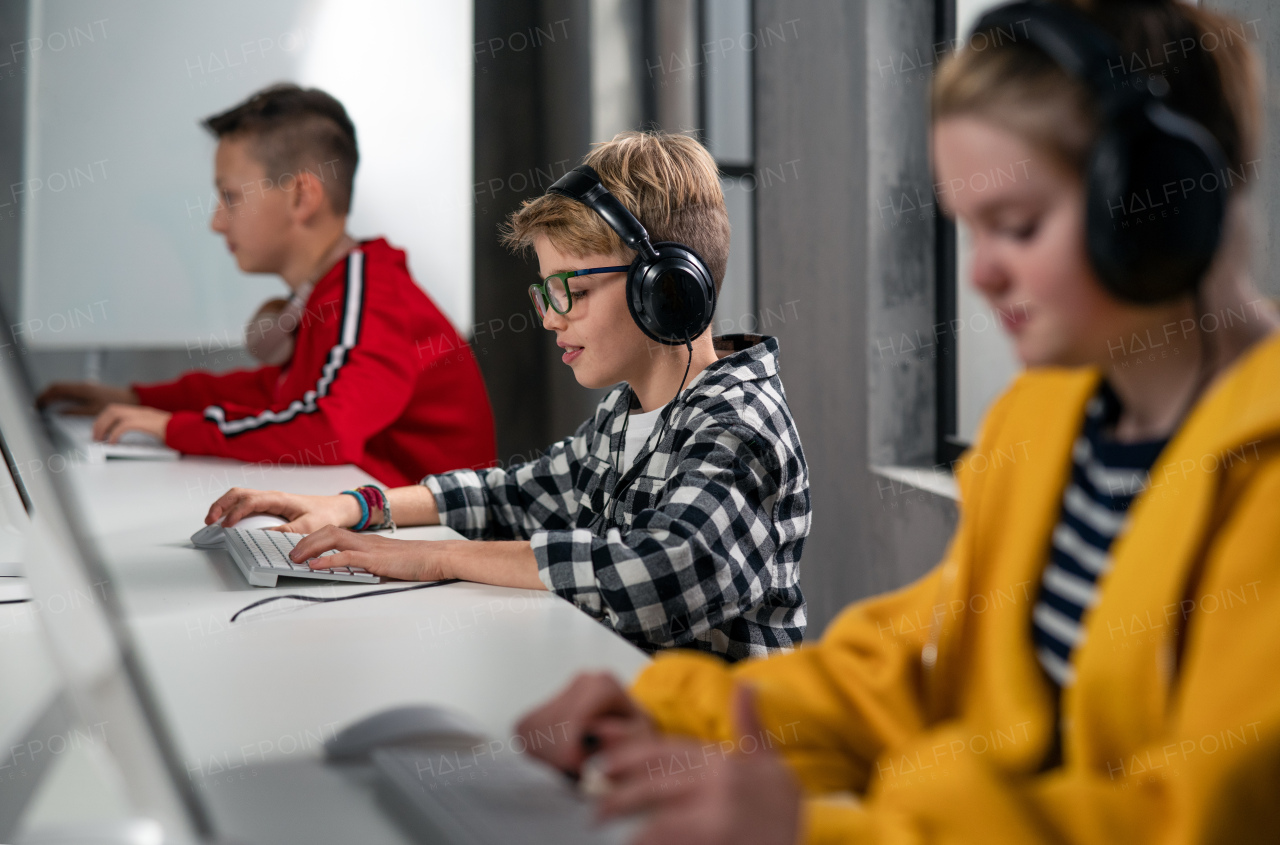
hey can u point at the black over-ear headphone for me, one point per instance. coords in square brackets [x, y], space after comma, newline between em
[1156, 196]
[670, 292]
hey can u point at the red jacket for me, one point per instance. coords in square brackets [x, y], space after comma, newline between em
[379, 378]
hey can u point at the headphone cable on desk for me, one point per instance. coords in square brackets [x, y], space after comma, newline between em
[319, 600]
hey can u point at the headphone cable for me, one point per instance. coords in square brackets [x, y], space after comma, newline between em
[320, 600]
[612, 509]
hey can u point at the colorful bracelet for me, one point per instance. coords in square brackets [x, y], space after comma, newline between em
[376, 499]
[372, 497]
[364, 510]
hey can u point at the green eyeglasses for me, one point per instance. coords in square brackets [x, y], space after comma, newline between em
[553, 291]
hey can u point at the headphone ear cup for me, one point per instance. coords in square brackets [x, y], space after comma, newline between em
[1156, 205]
[672, 296]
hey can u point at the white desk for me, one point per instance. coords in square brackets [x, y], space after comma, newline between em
[261, 695]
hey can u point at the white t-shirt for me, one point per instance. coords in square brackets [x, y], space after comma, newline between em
[639, 427]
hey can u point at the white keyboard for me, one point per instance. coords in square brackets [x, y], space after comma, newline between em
[479, 797]
[263, 556]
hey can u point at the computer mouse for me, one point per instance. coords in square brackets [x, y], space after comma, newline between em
[422, 725]
[211, 536]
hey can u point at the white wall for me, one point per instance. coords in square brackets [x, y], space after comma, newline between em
[118, 191]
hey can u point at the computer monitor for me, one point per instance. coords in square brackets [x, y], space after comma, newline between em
[13, 493]
[93, 651]
[15, 477]
[15, 510]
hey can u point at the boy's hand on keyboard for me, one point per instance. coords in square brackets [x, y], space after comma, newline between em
[117, 420]
[85, 398]
[594, 713]
[305, 513]
[407, 560]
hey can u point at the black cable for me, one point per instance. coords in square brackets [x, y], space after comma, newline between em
[319, 600]
[612, 509]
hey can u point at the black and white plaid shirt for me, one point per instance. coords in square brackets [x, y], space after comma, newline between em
[703, 549]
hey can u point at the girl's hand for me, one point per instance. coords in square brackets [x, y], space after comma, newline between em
[594, 713]
[407, 560]
[703, 794]
[305, 514]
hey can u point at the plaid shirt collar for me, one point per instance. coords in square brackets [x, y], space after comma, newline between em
[744, 357]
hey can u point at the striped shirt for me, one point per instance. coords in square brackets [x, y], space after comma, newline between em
[1106, 476]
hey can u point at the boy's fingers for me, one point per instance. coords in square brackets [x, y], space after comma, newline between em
[104, 425]
[319, 542]
[221, 505]
[304, 524]
[54, 393]
[248, 502]
[334, 561]
[238, 510]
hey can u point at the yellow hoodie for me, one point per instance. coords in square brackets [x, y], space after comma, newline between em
[928, 703]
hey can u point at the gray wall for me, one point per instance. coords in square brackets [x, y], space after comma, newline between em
[816, 248]
[532, 123]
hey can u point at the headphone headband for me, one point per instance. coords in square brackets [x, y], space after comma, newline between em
[1150, 238]
[583, 184]
[1077, 46]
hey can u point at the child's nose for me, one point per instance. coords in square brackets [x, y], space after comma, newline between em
[987, 271]
[553, 320]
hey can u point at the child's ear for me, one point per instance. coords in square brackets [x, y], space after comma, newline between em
[309, 197]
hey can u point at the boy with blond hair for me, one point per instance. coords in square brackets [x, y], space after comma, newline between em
[675, 515]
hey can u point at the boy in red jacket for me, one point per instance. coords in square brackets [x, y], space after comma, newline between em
[378, 376]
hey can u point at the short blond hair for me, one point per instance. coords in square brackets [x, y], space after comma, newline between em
[1018, 88]
[668, 181]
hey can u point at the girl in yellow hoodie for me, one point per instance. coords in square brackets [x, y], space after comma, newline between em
[1097, 658]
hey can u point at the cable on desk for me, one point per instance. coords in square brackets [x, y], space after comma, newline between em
[319, 600]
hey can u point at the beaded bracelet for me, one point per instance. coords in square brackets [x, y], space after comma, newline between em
[364, 510]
